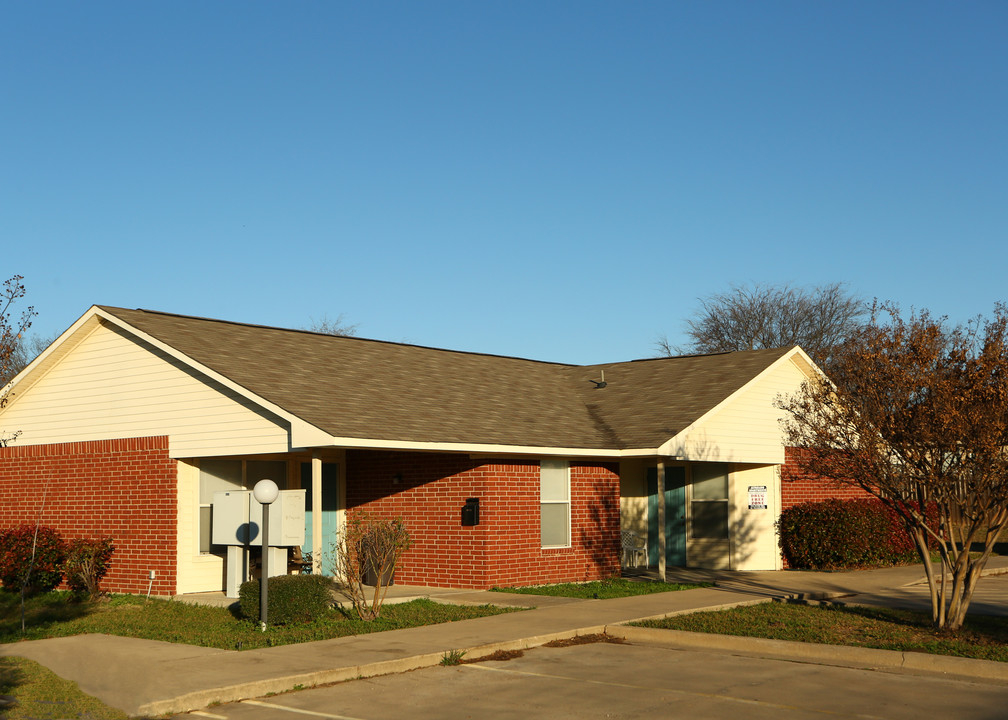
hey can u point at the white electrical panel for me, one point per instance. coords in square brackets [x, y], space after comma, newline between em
[237, 519]
[230, 524]
[286, 519]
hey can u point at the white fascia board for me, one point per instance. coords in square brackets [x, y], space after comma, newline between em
[303, 427]
[29, 370]
[796, 351]
[489, 449]
[804, 362]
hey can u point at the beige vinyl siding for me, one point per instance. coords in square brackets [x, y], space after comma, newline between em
[112, 386]
[634, 496]
[746, 427]
[196, 573]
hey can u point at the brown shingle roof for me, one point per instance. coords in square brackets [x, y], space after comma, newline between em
[357, 388]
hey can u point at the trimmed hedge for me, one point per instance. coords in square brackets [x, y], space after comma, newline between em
[837, 534]
[16, 558]
[292, 598]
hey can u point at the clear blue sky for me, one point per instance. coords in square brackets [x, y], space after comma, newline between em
[554, 180]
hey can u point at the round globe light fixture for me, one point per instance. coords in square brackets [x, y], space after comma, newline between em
[265, 491]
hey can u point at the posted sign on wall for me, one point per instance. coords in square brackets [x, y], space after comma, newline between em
[757, 497]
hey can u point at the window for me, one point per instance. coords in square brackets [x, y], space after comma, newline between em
[221, 475]
[710, 501]
[554, 503]
[216, 475]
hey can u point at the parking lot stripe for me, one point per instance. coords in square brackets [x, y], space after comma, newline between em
[313, 713]
[650, 688]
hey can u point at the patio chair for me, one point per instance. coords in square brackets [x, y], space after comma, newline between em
[634, 548]
[298, 564]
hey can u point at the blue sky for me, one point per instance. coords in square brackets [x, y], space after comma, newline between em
[553, 180]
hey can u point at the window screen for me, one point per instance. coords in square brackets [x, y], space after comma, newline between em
[709, 509]
[554, 503]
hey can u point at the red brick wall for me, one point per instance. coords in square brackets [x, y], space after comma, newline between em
[121, 488]
[504, 549]
[797, 486]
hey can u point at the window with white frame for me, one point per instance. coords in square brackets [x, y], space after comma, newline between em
[554, 503]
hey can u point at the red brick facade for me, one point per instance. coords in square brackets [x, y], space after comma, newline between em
[798, 487]
[428, 491]
[121, 488]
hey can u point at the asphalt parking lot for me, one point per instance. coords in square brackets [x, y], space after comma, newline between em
[607, 680]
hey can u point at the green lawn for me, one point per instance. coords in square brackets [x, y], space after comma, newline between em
[40, 693]
[600, 589]
[55, 615]
[982, 637]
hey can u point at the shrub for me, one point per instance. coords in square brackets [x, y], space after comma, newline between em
[87, 561]
[22, 551]
[291, 598]
[367, 553]
[835, 534]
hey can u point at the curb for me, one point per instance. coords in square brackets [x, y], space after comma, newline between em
[840, 655]
[257, 688]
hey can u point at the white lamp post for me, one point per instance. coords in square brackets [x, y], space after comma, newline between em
[265, 492]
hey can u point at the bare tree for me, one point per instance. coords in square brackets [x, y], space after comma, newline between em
[339, 326]
[916, 413]
[758, 316]
[11, 332]
[368, 551]
[27, 349]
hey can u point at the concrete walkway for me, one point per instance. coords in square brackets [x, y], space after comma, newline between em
[145, 677]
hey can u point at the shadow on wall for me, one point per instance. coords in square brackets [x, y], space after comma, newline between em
[603, 546]
[698, 448]
[634, 516]
[751, 536]
[744, 533]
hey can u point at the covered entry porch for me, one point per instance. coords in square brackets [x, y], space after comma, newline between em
[699, 514]
[202, 563]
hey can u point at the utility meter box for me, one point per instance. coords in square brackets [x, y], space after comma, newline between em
[286, 519]
[230, 524]
[237, 519]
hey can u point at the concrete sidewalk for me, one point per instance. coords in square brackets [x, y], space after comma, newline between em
[145, 677]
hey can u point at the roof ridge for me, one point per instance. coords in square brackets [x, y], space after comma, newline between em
[781, 350]
[112, 309]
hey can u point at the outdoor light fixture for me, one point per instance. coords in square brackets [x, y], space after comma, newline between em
[265, 492]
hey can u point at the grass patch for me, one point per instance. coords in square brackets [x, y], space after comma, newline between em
[40, 693]
[601, 589]
[984, 638]
[452, 657]
[56, 615]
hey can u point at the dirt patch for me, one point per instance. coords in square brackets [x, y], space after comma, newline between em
[499, 655]
[585, 640]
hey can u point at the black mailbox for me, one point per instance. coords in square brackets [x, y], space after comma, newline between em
[470, 512]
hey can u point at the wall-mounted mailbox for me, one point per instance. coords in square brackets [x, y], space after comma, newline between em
[470, 512]
[237, 519]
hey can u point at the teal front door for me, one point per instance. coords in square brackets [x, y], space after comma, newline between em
[675, 516]
[330, 504]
